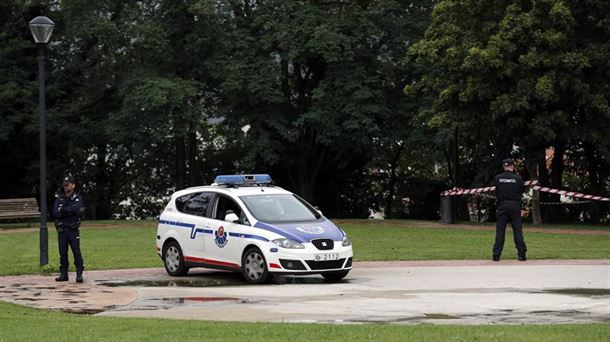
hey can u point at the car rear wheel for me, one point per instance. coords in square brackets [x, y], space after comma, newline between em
[174, 260]
[254, 266]
[334, 276]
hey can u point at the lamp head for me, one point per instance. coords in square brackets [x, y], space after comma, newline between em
[41, 28]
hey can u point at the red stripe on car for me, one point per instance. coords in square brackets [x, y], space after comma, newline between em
[211, 262]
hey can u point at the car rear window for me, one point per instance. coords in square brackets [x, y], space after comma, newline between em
[195, 203]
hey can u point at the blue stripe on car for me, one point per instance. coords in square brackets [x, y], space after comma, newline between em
[249, 236]
[195, 230]
[291, 230]
[279, 231]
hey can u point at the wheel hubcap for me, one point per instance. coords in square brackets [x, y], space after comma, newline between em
[172, 259]
[255, 266]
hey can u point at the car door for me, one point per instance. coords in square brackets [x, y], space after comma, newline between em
[196, 209]
[227, 239]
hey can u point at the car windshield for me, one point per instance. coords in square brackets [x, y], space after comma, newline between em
[280, 208]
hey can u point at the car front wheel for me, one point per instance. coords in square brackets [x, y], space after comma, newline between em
[174, 260]
[254, 266]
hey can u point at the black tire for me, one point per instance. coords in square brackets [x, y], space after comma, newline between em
[335, 276]
[173, 260]
[254, 266]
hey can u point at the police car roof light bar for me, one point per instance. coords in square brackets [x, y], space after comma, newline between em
[242, 179]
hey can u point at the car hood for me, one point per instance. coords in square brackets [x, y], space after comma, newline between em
[304, 231]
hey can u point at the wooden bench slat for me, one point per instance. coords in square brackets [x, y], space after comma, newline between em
[18, 200]
[12, 208]
[33, 215]
[18, 208]
[20, 212]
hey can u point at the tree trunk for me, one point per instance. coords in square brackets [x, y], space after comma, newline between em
[543, 180]
[180, 162]
[532, 168]
[389, 212]
[553, 212]
[192, 150]
[594, 181]
[100, 208]
[304, 177]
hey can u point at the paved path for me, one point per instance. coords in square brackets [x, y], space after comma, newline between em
[443, 292]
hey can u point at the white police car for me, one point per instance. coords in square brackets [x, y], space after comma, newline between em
[243, 223]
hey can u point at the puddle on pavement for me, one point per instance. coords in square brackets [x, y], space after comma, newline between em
[581, 292]
[279, 280]
[30, 299]
[439, 316]
[229, 280]
[414, 319]
[82, 311]
[566, 313]
[152, 304]
[193, 300]
[73, 291]
[199, 282]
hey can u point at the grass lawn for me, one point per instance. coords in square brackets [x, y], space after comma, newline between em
[131, 244]
[377, 242]
[17, 322]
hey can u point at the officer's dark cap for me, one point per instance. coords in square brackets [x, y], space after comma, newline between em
[508, 162]
[68, 180]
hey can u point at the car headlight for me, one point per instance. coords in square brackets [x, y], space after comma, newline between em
[346, 241]
[288, 243]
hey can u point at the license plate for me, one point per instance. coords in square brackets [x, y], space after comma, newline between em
[327, 257]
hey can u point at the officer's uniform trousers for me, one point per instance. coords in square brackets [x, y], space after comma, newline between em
[509, 211]
[69, 237]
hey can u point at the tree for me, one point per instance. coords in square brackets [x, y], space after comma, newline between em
[18, 94]
[516, 73]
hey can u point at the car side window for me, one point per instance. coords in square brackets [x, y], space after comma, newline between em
[195, 204]
[226, 204]
[181, 201]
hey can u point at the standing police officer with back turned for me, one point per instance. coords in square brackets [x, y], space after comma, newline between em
[509, 189]
[66, 211]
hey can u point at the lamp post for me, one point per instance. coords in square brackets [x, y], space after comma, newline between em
[42, 28]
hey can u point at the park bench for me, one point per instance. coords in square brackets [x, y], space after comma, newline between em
[17, 208]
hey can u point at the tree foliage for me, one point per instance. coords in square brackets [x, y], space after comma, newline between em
[518, 75]
[146, 97]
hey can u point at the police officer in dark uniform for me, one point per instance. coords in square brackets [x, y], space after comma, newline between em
[66, 211]
[509, 189]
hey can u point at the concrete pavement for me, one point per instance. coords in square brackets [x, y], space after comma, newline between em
[439, 292]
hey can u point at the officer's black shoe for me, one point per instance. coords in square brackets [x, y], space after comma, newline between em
[79, 278]
[496, 257]
[522, 257]
[62, 277]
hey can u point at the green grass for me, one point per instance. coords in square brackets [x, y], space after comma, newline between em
[20, 323]
[102, 249]
[132, 245]
[376, 242]
[526, 225]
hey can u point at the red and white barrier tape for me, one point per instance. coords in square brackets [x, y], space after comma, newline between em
[456, 191]
[571, 193]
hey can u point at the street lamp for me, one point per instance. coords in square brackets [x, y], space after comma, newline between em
[42, 28]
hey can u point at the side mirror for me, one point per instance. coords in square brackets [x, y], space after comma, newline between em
[231, 217]
[318, 210]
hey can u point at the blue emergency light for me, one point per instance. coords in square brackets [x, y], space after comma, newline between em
[242, 179]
